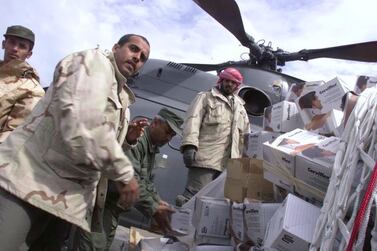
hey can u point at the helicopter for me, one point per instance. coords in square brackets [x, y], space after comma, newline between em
[163, 83]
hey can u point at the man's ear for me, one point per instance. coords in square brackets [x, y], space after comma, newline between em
[115, 47]
[3, 44]
[154, 123]
[29, 54]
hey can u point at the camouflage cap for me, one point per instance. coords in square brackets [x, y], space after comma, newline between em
[175, 122]
[20, 31]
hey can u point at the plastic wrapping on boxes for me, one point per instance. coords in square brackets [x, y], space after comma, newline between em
[256, 216]
[211, 220]
[180, 221]
[214, 189]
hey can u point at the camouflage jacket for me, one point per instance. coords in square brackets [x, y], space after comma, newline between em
[72, 138]
[215, 126]
[143, 159]
[19, 93]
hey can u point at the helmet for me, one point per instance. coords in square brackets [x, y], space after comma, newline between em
[231, 74]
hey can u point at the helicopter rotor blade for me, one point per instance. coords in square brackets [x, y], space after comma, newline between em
[364, 52]
[227, 13]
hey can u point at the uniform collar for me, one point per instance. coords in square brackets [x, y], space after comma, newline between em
[216, 93]
[120, 78]
[18, 68]
[151, 148]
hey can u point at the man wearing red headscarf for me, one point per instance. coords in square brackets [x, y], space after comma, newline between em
[213, 131]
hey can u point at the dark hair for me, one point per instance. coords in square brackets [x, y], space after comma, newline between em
[31, 46]
[306, 100]
[127, 38]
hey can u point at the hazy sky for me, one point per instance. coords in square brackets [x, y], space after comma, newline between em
[180, 31]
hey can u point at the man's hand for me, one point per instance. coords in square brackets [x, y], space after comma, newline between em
[136, 130]
[128, 193]
[162, 217]
[189, 154]
[163, 203]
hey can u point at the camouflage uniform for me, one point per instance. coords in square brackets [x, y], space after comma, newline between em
[19, 93]
[215, 125]
[142, 157]
[73, 137]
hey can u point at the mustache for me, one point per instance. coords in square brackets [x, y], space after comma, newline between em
[132, 64]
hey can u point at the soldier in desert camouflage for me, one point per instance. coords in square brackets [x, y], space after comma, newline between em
[56, 164]
[19, 82]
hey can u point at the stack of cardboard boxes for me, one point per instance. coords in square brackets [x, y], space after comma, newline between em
[272, 196]
[276, 190]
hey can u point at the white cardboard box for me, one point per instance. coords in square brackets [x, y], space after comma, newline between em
[211, 220]
[256, 216]
[181, 220]
[321, 108]
[314, 165]
[277, 177]
[237, 220]
[331, 93]
[296, 90]
[253, 142]
[292, 226]
[282, 151]
[282, 117]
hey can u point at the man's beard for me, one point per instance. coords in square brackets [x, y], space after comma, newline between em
[226, 90]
